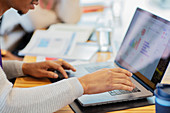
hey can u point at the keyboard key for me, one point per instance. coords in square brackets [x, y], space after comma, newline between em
[120, 92]
[95, 68]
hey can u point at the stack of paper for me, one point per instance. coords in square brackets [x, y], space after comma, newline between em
[82, 32]
[59, 44]
[49, 43]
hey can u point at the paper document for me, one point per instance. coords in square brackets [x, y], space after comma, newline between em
[59, 44]
[49, 43]
[72, 62]
[83, 51]
[83, 32]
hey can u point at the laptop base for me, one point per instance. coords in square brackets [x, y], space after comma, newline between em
[77, 108]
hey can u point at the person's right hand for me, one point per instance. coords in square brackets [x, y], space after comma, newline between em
[42, 69]
[106, 80]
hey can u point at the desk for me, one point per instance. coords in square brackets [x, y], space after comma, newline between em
[32, 82]
[147, 109]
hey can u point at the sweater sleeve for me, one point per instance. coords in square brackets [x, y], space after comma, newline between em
[42, 99]
[12, 68]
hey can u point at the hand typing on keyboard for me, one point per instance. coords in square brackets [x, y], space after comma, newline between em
[107, 80]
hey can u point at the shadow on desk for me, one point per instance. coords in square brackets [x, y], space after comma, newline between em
[77, 108]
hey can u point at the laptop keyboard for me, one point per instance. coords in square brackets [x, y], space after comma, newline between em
[120, 92]
[95, 68]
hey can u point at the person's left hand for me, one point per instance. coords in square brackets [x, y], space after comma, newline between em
[7, 55]
[41, 69]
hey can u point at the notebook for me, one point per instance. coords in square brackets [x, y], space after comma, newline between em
[145, 51]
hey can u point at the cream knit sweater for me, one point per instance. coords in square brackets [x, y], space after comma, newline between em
[42, 99]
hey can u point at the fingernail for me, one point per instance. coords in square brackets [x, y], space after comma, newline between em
[55, 76]
[65, 75]
[130, 74]
[74, 70]
[131, 88]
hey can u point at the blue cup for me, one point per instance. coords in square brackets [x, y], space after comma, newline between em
[162, 100]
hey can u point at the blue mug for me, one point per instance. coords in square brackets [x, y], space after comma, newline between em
[162, 98]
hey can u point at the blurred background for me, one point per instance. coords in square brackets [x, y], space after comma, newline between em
[113, 16]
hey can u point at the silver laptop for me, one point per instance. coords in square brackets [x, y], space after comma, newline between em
[145, 51]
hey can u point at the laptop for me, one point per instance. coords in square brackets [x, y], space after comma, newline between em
[145, 51]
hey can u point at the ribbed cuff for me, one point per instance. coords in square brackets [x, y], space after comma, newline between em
[77, 88]
[13, 68]
[18, 65]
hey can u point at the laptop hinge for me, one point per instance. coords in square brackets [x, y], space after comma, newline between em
[143, 84]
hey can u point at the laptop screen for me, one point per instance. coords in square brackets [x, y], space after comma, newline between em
[145, 50]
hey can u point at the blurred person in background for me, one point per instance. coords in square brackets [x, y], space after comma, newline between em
[48, 12]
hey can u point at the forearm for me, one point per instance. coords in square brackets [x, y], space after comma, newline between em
[69, 11]
[43, 99]
[12, 68]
